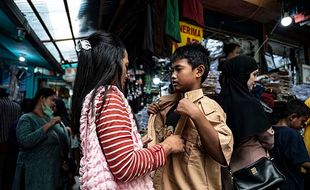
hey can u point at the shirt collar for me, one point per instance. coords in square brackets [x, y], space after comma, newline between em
[194, 95]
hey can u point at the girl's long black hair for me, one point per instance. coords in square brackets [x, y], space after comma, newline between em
[99, 66]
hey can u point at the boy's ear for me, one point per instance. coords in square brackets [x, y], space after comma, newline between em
[41, 98]
[200, 70]
[292, 116]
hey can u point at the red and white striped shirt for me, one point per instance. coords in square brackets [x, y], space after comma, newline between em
[115, 135]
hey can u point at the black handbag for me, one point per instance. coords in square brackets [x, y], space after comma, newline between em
[262, 174]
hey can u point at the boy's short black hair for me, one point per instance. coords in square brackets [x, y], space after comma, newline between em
[284, 109]
[228, 48]
[298, 107]
[196, 55]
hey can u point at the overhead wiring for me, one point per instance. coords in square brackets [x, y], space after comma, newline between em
[251, 15]
[267, 37]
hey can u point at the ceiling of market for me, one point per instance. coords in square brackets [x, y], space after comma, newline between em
[267, 12]
[13, 45]
[263, 11]
[55, 25]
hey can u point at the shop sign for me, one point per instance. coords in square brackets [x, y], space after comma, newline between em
[189, 33]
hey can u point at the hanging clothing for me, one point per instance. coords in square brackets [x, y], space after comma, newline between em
[162, 43]
[193, 10]
[172, 20]
[148, 30]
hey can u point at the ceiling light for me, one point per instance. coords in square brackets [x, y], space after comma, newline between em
[22, 58]
[156, 80]
[286, 19]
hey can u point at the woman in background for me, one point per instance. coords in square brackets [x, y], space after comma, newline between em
[41, 144]
[245, 115]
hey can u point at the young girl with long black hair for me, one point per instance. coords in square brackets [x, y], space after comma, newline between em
[113, 156]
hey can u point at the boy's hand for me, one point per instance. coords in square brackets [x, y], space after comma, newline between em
[153, 108]
[186, 107]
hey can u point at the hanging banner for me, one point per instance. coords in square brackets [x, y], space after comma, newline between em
[189, 33]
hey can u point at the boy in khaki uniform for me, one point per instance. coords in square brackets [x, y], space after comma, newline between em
[198, 119]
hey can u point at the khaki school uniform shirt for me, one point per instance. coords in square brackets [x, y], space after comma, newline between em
[193, 169]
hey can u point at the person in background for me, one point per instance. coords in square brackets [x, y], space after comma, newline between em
[307, 144]
[289, 151]
[69, 166]
[73, 158]
[113, 156]
[61, 110]
[198, 119]
[24, 105]
[9, 114]
[230, 50]
[245, 115]
[41, 145]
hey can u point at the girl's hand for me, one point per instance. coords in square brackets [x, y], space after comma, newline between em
[145, 140]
